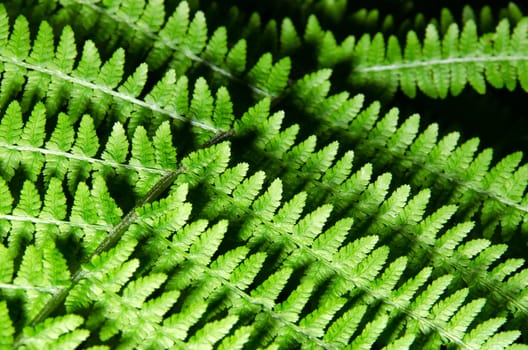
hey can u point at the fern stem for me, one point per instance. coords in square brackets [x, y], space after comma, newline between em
[117, 232]
[51, 290]
[84, 159]
[54, 222]
[74, 80]
[440, 62]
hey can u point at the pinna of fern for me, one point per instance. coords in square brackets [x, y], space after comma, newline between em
[419, 159]
[180, 42]
[232, 259]
[439, 66]
[51, 72]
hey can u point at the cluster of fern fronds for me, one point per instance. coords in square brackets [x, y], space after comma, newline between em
[236, 175]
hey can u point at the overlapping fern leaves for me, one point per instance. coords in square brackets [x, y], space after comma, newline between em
[256, 209]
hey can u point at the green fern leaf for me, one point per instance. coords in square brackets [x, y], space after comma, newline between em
[219, 175]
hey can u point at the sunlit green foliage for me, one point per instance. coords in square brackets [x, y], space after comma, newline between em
[186, 175]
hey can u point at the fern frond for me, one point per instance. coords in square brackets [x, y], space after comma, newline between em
[126, 221]
[338, 259]
[66, 155]
[416, 206]
[83, 84]
[179, 41]
[265, 232]
[421, 158]
[439, 66]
